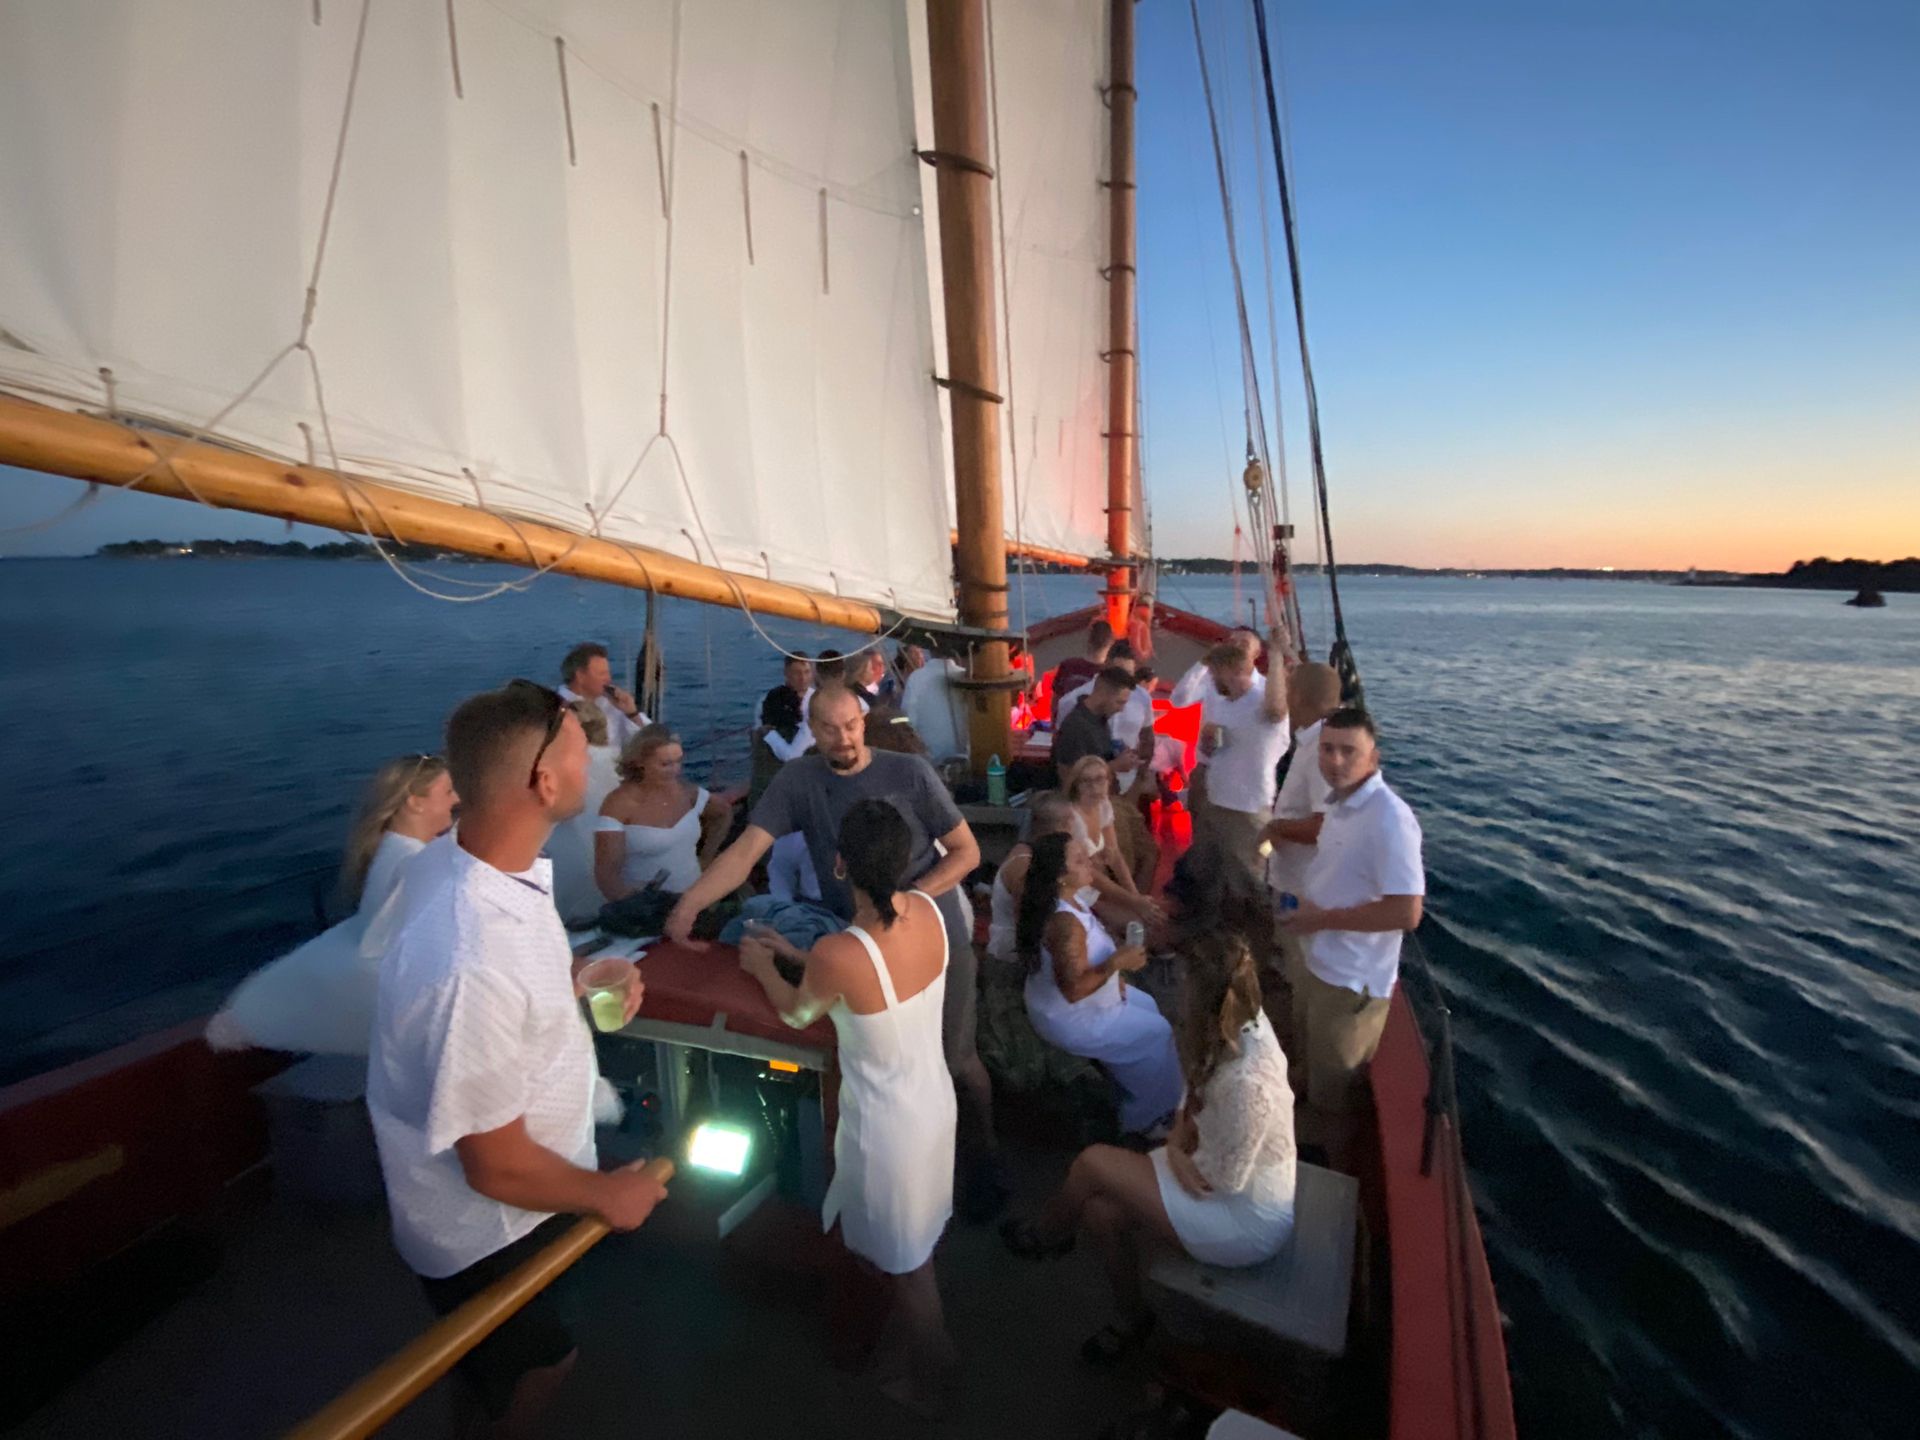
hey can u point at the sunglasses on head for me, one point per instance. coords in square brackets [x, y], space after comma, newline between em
[556, 717]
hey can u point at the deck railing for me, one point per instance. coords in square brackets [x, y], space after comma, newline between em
[389, 1388]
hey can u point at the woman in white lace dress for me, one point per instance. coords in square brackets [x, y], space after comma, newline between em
[1222, 1187]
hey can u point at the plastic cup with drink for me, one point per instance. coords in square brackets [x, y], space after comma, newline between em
[606, 984]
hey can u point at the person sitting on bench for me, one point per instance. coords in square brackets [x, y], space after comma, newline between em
[1222, 1187]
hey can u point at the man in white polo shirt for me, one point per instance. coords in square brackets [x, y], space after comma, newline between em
[1364, 890]
[1313, 693]
[481, 1077]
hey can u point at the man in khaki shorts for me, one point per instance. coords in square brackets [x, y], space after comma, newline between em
[1364, 889]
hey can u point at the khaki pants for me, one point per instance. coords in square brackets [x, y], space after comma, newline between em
[1339, 1031]
[1195, 798]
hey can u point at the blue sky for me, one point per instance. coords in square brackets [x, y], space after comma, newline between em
[1588, 283]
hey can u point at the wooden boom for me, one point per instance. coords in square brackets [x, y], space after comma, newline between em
[82, 447]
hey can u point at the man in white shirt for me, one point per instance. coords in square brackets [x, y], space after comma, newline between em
[586, 675]
[481, 1078]
[1313, 693]
[1197, 687]
[935, 708]
[1365, 888]
[1243, 739]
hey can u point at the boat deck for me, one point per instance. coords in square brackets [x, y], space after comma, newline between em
[680, 1335]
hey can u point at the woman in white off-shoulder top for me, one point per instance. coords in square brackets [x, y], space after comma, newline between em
[1222, 1187]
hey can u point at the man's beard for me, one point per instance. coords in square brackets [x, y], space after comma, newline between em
[837, 762]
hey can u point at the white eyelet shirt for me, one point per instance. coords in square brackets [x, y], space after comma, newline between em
[476, 1025]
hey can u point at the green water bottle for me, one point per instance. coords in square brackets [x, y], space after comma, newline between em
[996, 782]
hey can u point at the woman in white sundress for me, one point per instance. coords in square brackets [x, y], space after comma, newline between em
[882, 981]
[655, 826]
[319, 998]
[1222, 1187]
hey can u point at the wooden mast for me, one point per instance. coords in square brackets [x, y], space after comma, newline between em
[37, 437]
[1123, 361]
[957, 62]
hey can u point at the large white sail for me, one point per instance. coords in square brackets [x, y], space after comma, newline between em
[1049, 65]
[498, 289]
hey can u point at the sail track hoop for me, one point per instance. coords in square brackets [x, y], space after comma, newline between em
[114, 452]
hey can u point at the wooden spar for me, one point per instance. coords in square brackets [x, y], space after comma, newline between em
[957, 61]
[1043, 554]
[37, 437]
[1123, 362]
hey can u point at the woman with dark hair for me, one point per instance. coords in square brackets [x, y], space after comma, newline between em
[1077, 996]
[1222, 1186]
[882, 981]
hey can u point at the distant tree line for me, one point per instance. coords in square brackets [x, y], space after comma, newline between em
[255, 549]
[1821, 573]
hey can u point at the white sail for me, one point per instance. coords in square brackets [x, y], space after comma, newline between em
[1049, 65]
[497, 282]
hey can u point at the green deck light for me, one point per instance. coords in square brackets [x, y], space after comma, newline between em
[720, 1149]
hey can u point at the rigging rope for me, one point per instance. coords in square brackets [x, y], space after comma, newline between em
[1341, 655]
[66, 512]
[1259, 486]
[667, 155]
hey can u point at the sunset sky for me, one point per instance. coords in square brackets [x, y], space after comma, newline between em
[1622, 283]
[1589, 282]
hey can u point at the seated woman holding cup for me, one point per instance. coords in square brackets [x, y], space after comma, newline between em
[1077, 994]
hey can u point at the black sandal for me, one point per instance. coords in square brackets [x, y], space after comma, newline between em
[1113, 1343]
[1025, 1241]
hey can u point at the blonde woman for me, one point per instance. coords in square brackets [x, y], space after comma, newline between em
[1088, 783]
[319, 998]
[656, 828]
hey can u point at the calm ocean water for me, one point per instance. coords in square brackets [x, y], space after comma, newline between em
[1675, 900]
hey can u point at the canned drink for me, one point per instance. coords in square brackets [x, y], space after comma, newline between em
[1136, 934]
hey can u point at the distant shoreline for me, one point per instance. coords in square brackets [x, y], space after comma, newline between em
[1888, 576]
[1818, 574]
